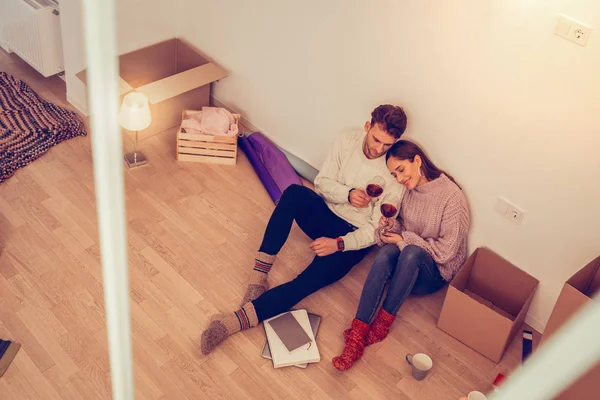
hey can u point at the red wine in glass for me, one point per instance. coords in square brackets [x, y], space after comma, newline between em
[374, 190]
[388, 210]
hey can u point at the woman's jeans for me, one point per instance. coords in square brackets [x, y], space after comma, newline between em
[410, 271]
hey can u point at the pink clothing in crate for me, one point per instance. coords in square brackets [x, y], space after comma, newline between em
[211, 121]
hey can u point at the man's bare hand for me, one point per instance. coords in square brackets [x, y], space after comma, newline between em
[324, 246]
[359, 198]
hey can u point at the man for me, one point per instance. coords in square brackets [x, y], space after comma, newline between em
[340, 218]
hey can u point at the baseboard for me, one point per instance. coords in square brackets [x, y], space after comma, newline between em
[303, 168]
[77, 105]
[218, 103]
[5, 47]
[535, 323]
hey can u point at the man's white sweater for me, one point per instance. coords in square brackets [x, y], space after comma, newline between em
[345, 168]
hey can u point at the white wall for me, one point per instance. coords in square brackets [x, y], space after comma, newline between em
[3, 17]
[139, 23]
[499, 101]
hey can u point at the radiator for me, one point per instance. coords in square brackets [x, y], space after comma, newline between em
[31, 29]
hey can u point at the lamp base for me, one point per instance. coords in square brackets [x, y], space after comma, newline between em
[135, 159]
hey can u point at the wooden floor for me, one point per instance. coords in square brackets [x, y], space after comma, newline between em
[192, 233]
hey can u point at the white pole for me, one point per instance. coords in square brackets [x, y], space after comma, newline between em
[103, 99]
[570, 352]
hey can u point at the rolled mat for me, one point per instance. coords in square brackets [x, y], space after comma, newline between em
[303, 168]
[260, 169]
[274, 161]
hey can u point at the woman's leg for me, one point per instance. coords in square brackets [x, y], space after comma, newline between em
[429, 280]
[354, 338]
[381, 271]
[413, 259]
[415, 266]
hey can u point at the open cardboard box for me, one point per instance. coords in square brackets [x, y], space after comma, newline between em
[173, 75]
[486, 303]
[576, 293]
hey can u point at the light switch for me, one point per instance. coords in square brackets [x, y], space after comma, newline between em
[563, 26]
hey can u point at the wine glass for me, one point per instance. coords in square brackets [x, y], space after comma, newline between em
[375, 187]
[389, 207]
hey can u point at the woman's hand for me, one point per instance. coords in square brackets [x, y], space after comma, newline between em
[324, 246]
[386, 223]
[391, 238]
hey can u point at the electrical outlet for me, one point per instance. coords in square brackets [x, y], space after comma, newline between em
[509, 211]
[572, 30]
[515, 214]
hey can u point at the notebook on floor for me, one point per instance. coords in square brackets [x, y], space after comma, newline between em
[315, 322]
[291, 339]
[8, 351]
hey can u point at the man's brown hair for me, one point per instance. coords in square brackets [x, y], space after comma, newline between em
[391, 118]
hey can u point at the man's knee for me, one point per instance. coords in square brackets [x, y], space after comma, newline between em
[295, 190]
[293, 194]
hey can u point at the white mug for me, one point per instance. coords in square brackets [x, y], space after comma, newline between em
[420, 364]
[475, 395]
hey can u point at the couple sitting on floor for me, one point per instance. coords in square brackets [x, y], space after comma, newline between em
[422, 249]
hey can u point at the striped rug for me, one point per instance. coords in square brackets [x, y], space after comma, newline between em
[29, 125]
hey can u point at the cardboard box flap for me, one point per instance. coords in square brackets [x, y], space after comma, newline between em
[182, 82]
[500, 282]
[584, 278]
[188, 56]
[149, 64]
[595, 285]
[474, 324]
[568, 304]
[461, 279]
[518, 324]
[124, 87]
[478, 298]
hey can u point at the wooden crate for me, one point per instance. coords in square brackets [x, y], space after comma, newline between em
[196, 147]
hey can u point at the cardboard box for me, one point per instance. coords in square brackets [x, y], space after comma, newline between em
[576, 293]
[173, 75]
[486, 303]
[197, 147]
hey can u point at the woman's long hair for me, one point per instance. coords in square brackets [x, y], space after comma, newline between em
[407, 150]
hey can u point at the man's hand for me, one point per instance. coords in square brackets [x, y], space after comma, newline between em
[391, 238]
[359, 198]
[324, 246]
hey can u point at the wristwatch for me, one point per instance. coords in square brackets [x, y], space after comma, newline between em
[340, 244]
[350, 191]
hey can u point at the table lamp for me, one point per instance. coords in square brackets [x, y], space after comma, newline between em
[135, 116]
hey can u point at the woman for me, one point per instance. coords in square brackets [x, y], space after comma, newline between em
[423, 249]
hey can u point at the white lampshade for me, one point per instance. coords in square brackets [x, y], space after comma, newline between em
[135, 112]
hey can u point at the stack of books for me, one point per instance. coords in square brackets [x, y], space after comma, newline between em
[291, 339]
